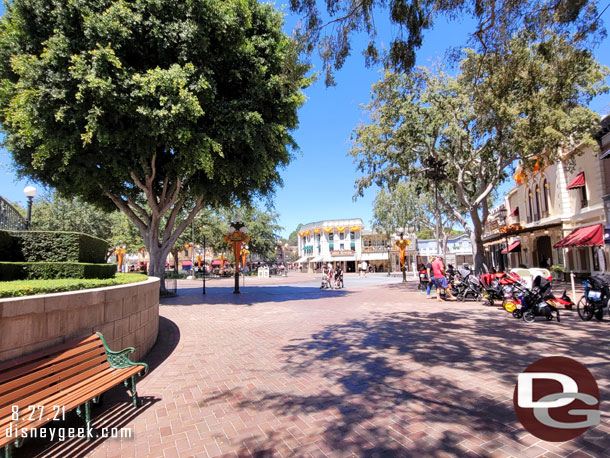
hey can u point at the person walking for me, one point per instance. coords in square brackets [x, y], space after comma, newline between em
[430, 275]
[438, 269]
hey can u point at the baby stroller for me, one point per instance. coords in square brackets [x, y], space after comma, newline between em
[494, 286]
[327, 279]
[595, 300]
[467, 285]
[536, 302]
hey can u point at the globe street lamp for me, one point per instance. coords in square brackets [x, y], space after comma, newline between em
[30, 192]
[502, 215]
[237, 234]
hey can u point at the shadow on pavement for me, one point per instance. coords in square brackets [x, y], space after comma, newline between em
[380, 404]
[250, 295]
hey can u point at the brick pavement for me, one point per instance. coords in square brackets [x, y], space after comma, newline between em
[373, 370]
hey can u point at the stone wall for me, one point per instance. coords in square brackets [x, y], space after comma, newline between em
[126, 315]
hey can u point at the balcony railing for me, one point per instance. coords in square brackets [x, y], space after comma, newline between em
[10, 218]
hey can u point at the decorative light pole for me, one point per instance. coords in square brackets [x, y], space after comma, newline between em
[402, 243]
[502, 214]
[30, 192]
[237, 234]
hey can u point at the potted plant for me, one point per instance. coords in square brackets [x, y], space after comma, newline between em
[557, 271]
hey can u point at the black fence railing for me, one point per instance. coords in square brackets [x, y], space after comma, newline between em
[10, 218]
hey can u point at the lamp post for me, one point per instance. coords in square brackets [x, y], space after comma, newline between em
[502, 214]
[205, 269]
[389, 247]
[237, 234]
[30, 192]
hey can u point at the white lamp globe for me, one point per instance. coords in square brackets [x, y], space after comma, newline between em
[29, 191]
[231, 229]
[244, 230]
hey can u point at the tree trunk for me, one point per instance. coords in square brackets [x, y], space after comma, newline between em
[175, 254]
[156, 266]
[476, 238]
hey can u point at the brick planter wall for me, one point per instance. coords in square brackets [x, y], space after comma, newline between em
[126, 315]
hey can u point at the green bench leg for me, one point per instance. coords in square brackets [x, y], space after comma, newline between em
[87, 414]
[8, 450]
[88, 420]
[130, 384]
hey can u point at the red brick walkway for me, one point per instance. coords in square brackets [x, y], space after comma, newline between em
[375, 371]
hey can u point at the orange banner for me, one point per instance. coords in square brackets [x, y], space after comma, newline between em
[341, 229]
[354, 228]
[329, 229]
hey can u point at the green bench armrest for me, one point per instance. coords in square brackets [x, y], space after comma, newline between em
[120, 359]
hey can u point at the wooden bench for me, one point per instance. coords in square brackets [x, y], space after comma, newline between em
[38, 388]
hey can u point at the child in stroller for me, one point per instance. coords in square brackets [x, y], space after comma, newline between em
[327, 277]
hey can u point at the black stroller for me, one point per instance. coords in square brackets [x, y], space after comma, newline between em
[537, 301]
[595, 300]
[466, 284]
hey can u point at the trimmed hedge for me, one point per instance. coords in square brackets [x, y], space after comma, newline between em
[51, 246]
[31, 287]
[51, 270]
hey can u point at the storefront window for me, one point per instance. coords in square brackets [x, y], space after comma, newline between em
[560, 256]
[331, 247]
[599, 258]
[584, 259]
[342, 246]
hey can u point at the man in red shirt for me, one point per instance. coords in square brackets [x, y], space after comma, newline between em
[438, 269]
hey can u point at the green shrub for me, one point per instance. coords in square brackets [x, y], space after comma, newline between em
[57, 246]
[31, 287]
[54, 270]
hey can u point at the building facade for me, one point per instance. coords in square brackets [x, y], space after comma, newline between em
[554, 216]
[330, 241]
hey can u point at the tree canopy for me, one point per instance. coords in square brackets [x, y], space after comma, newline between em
[152, 106]
[330, 28]
[466, 132]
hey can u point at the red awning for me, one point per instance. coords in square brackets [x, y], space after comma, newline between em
[515, 212]
[515, 246]
[216, 262]
[186, 263]
[577, 182]
[583, 236]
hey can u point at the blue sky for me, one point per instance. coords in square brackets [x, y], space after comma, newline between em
[319, 183]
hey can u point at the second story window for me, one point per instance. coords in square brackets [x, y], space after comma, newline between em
[584, 202]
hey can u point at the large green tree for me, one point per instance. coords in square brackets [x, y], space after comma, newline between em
[152, 106]
[465, 132]
[329, 27]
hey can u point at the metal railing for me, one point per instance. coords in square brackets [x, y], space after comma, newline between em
[10, 218]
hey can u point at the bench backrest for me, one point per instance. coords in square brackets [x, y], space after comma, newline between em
[27, 380]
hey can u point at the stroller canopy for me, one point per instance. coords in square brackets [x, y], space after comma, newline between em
[542, 285]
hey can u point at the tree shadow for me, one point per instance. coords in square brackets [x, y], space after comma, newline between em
[250, 295]
[418, 383]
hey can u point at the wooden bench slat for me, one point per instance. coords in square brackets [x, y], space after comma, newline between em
[56, 398]
[52, 358]
[50, 369]
[16, 390]
[72, 400]
[40, 395]
[49, 351]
